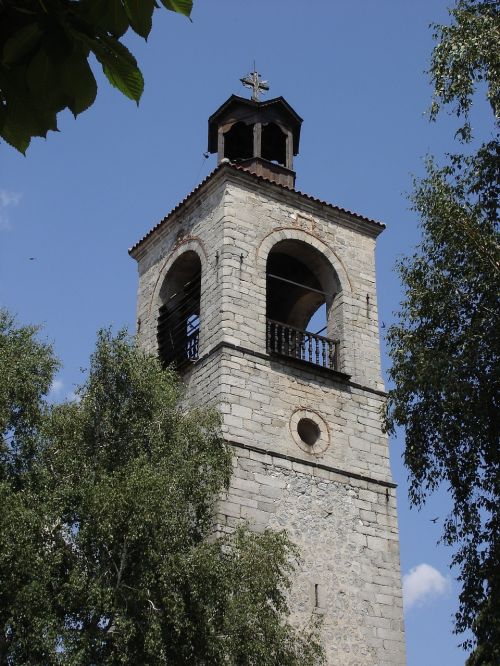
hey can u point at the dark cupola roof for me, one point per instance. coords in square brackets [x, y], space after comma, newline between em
[261, 136]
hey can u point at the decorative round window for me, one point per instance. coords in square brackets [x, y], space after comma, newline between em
[309, 431]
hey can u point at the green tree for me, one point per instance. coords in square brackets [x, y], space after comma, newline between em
[106, 547]
[45, 47]
[445, 344]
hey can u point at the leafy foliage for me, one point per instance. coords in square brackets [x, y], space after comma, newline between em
[445, 351]
[26, 370]
[445, 345]
[106, 554]
[467, 54]
[45, 47]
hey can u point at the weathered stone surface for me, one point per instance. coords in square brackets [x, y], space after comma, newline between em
[337, 503]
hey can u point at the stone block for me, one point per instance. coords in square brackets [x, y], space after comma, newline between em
[345, 530]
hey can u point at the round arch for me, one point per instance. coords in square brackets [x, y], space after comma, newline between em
[178, 322]
[193, 244]
[300, 281]
[292, 233]
[306, 286]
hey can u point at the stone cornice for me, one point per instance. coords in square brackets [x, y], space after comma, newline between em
[227, 171]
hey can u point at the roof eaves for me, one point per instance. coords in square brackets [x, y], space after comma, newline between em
[167, 217]
[228, 165]
[256, 104]
[381, 225]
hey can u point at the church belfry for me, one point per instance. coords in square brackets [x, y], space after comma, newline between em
[264, 299]
[262, 137]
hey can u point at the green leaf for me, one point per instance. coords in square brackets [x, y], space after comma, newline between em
[78, 83]
[21, 115]
[44, 82]
[109, 15]
[140, 14]
[39, 75]
[21, 121]
[127, 79]
[116, 18]
[16, 136]
[181, 6]
[21, 43]
[119, 66]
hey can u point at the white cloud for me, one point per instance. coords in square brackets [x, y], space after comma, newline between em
[56, 387]
[73, 397]
[7, 199]
[423, 584]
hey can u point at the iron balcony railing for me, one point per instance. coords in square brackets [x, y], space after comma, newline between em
[178, 347]
[192, 345]
[293, 342]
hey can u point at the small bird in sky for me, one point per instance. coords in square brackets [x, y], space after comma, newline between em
[32, 258]
[382, 325]
[434, 520]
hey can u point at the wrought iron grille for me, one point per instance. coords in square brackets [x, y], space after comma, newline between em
[192, 345]
[177, 344]
[303, 345]
[178, 331]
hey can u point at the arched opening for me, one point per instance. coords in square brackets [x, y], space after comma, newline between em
[238, 142]
[179, 314]
[273, 144]
[302, 288]
[308, 431]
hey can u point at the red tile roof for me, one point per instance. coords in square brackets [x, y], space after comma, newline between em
[230, 165]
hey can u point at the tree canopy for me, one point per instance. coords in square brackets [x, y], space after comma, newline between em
[445, 344]
[45, 46]
[465, 57]
[107, 552]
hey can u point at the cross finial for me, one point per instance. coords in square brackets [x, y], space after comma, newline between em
[254, 81]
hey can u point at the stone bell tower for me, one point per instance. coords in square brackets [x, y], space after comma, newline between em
[234, 284]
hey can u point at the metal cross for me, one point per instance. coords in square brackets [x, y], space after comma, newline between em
[253, 81]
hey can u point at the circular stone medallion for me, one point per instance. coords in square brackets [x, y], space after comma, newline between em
[309, 431]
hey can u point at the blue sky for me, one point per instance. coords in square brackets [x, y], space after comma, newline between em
[354, 70]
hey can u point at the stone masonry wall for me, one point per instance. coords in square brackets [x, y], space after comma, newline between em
[346, 530]
[254, 220]
[335, 498]
[232, 226]
[199, 229]
[260, 398]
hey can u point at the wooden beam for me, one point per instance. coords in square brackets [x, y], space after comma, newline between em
[297, 284]
[220, 145]
[289, 151]
[257, 140]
